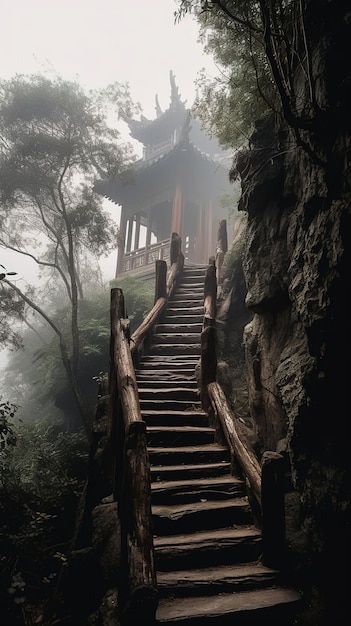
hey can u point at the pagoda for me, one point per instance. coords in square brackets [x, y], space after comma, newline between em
[175, 187]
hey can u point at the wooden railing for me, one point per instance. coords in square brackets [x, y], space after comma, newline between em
[146, 255]
[164, 285]
[265, 481]
[137, 591]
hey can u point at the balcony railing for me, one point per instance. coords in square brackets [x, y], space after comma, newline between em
[159, 251]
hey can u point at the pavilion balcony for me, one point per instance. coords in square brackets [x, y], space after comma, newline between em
[142, 257]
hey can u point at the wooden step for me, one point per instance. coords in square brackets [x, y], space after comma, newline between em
[204, 514]
[176, 338]
[190, 471]
[247, 608]
[207, 548]
[153, 383]
[172, 360]
[169, 393]
[168, 405]
[179, 435]
[212, 453]
[168, 349]
[212, 488]
[174, 418]
[215, 580]
[181, 328]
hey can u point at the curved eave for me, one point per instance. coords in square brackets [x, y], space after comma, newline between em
[184, 160]
[150, 131]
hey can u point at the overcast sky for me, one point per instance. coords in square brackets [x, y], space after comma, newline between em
[102, 41]
[98, 42]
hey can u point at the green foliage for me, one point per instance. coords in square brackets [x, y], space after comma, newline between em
[35, 376]
[262, 52]
[138, 298]
[42, 478]
[56, 140]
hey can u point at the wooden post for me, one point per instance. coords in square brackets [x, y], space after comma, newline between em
[222, 247]
[273, 510]
[129, 235]
[243, 455]
[176, 244]
[160, 280]
[210, 296]
[115, 428]
[208, 363]
[139, 588]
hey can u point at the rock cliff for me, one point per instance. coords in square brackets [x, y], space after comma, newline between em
[297, 198]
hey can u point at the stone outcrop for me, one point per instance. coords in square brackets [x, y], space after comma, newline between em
[297, 272]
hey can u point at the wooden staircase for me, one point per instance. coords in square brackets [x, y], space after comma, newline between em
[207, 547]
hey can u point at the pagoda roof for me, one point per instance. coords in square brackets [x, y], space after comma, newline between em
[184, 154]
[146, 130]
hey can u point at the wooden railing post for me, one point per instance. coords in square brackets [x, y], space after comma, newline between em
[208, 363]
[132, 484]
[160, 280]
[273, 510]
[115, 420]
[210, 296]
[176, 243]
[221, 249]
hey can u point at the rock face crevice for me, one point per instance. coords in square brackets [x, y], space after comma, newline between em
[297, 272]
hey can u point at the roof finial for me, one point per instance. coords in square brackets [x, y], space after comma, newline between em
[175, 98]
[158, 108]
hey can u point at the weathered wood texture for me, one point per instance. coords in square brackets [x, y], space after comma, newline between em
[136, 528]
[208, 363]
[221, 249]
[210, 296]
[132, 488]
[245, 457]
[164, 285]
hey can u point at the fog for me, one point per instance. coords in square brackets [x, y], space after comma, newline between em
[97, 43]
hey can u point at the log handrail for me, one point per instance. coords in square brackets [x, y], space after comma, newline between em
[138, 596]
[265, 479]
[164, 286]
[131, 476]
[240, 451]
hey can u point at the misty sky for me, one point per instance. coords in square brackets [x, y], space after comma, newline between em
[96, 43]
[102, 41]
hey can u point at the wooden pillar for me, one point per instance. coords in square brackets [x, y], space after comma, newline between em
[177, 211]
[137, 231]
[148, 234]
[129, 236]
[121, 247]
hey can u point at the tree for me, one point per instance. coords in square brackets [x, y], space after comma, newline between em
[35, 378]
[262, 47]
[55, 139]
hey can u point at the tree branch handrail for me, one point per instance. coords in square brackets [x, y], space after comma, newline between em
[265, 480]
[131, 474]
[164, 285]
